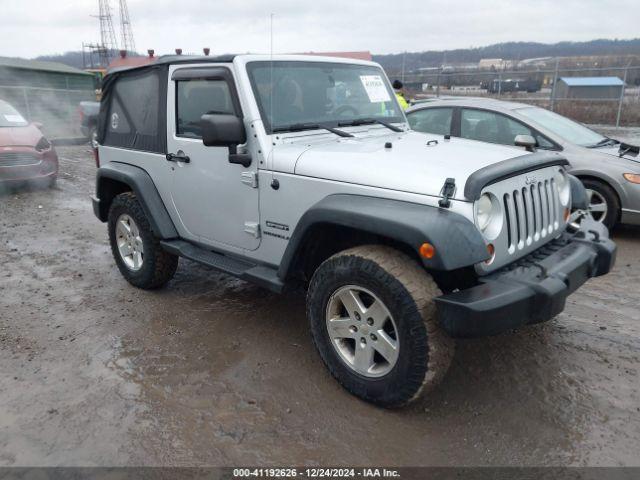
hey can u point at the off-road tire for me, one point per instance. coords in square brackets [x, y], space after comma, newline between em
[609, 195]
[158, 266]
[408, 292]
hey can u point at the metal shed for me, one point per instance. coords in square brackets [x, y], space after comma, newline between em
[46, 92]
[596, 88]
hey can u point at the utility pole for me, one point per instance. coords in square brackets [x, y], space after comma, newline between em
[108, 42]
[555, 84]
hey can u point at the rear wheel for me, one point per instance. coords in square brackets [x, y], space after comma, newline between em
[135, 248]
[373, 321]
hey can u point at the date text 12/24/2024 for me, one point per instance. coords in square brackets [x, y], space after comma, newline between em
[316, 472]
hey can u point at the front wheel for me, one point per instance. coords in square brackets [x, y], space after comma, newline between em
[603, 202]
[373, 321]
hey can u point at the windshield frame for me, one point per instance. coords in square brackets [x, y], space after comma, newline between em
[545, 126]
[334, 123]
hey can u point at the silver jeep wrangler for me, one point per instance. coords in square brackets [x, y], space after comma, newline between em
[301, 171]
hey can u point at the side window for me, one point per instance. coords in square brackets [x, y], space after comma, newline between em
[516, 128]
[195, 98]
[545, 143]
[480, 125]
[431, 120]
[135, 113]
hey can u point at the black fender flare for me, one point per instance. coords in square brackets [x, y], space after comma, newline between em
[457, 241]
[146, 192]
[579, 198]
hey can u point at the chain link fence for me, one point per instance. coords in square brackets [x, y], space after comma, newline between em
[605, 101]
[55, 108]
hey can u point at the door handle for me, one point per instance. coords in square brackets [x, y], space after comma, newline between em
[178, 157]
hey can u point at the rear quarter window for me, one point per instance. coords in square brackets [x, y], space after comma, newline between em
[135, 114]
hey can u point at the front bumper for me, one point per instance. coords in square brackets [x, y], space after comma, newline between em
[43, 166]
[533, 289]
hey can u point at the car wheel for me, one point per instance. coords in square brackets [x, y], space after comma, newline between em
[373, 321]
[136, 250]
[603, 202]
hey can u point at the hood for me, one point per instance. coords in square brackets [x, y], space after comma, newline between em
[20, 136]
[410, 165]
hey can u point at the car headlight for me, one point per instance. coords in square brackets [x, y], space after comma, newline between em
[564, 187]
[488, 215]
[43, 144]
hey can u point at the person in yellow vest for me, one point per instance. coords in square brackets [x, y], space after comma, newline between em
[397, 87]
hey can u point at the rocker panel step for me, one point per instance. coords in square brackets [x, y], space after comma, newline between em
[259, 274]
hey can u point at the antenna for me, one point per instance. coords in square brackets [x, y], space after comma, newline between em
[271, 74]
[128, 44]
[274, 182]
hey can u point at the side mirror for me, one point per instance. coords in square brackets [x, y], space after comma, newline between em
[38, 125]
[220, 130]
[526, 141]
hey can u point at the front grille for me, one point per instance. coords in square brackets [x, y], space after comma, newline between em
[532, 216]
[18, 159]
[531, 213]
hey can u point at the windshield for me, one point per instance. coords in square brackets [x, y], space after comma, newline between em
[292, 95]
[10, 117]
[571, 131]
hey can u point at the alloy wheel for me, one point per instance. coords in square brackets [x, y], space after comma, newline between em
[362, 331]
[597, 205]
[129, 242]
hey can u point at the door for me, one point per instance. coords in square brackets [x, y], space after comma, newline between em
[216, 201]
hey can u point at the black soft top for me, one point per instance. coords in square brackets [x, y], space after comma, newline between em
[133, 106]
[175, 59]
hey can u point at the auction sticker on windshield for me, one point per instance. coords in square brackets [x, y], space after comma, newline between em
[375, 88]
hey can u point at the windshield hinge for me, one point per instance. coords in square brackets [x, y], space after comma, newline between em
[448, 190]
[249, 178]
[252, 228]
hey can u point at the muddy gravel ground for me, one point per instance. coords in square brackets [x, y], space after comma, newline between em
[215, 371]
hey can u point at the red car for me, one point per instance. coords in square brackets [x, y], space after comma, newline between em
[25, 155]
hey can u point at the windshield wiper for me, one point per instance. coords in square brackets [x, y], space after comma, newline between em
[299, 127]
[369, 121]
[604, 142]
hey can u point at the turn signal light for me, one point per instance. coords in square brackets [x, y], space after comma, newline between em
[632, 177]
[427, 250]
[491, 249]
[566, 215]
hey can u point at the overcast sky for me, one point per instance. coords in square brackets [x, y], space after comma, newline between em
[29, 28]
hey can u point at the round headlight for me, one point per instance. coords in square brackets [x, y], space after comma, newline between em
[484, 208]
[564, 188]
[488, 213]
